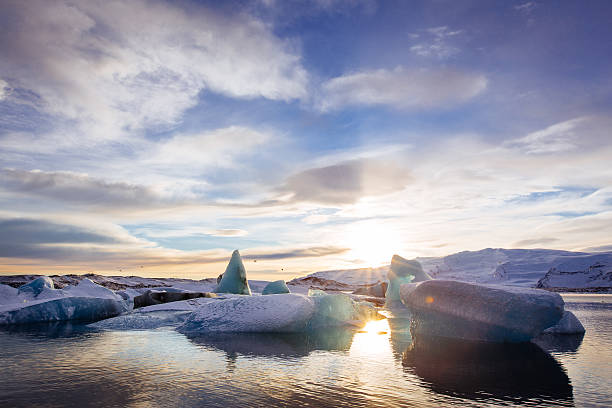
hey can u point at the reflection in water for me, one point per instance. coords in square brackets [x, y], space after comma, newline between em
[506, 371]
[564, 343]
[49, 330]
[276, 344]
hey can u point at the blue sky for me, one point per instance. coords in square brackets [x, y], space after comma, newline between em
[152, 138]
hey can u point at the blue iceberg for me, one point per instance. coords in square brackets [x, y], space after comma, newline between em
[35, 287]
[480, 312]
[39, 301]
[234, 278]
[275, 288]
[403, 271]
[288, 312]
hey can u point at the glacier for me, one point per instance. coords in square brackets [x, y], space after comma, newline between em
[288, 312]
[234, 278]
[275, 288]
[470, 311]
[39, 301]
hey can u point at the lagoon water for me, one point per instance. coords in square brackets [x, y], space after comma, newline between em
[70, 365]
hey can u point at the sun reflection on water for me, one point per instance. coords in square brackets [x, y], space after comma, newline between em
[372, 339]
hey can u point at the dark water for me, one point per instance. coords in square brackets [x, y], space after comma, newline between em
[68, 365]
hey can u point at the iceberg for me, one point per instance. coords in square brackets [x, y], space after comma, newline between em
[280, 313]
[156, 297]
[569, 324]
[234, 278]
[39, 301]
[471, 311]
[143, 321]
[35, 287]
[275, 288]
[333, 310]
[287, 312]
[403, 271]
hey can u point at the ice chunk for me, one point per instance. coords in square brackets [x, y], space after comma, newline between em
[156, 297]
[377, 290]
[40, 302]
[8, 294]
[66, 308]
[403, 271]
[36, 286]
[332, 310]
[404, 267]
[569, 324]
[287, 312]
[392, 294]
[275, 288]
[234, 278]
[281, 313]
[143, 321]
[481, 312]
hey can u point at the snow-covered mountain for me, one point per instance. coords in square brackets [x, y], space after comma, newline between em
[583, 272]
[517, 267]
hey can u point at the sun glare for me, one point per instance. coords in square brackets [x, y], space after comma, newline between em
[372, 243]
[373, 338]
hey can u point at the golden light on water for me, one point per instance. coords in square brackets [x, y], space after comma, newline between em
[372, 339]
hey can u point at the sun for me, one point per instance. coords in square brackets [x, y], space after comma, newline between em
[372, 243]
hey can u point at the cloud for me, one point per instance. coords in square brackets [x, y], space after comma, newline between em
[228, 233]
[122, 66]
[534, 241]
[311, 252]
[347, 182]
[3, 90]
[108, 247]
[526, 8]
[40, 238]
[569, 135]
[219, 148]
[76, 188]
[435, 43]
[401, 88]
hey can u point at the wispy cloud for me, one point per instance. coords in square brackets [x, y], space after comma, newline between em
[3, 89]
[564, 136]
[402, 88]
[435, 42]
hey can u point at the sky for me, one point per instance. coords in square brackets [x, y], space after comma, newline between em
[152, 138]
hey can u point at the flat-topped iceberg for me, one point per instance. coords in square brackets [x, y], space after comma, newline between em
[275, 288]
[279, 313]
[39, 301]
[234, 278]
[481, 312]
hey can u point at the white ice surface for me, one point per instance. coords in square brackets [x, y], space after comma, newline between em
[277, 313]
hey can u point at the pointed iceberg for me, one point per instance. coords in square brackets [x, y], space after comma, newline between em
[234, 278]
[275, 288]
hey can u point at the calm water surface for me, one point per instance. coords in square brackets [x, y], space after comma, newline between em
[69, 365]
